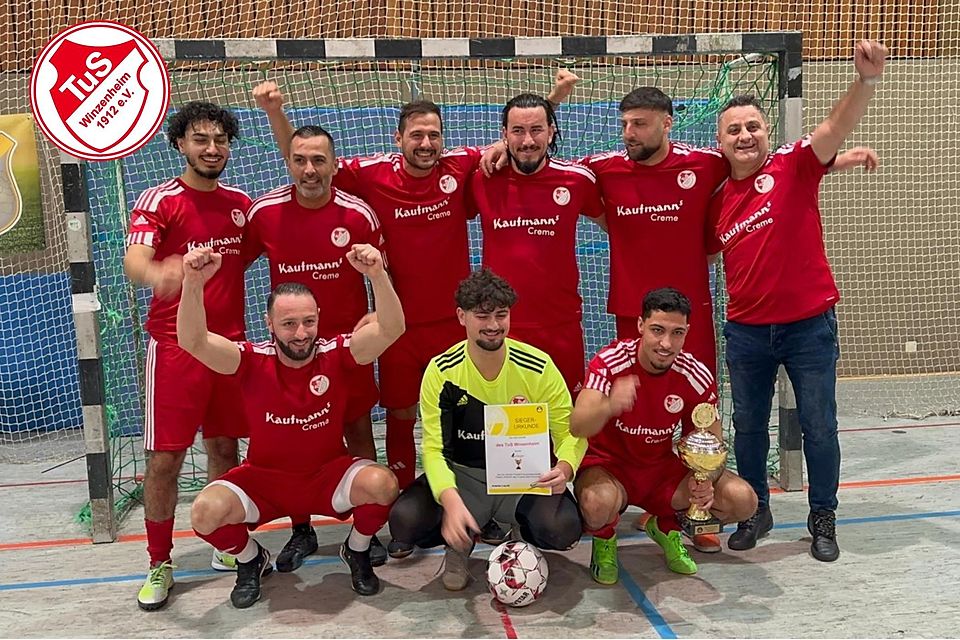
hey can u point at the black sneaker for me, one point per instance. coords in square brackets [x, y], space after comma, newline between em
[493, 534]
[822, 525]
[398, 549]
[302, 543]
[378, 555]
[247, 589]
[750, 530]
[362, 578]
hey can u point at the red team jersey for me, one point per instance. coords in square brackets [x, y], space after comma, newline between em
[529, 227]
[309, 246]
[664, 403]
[657, 222]
[773, 253]
[174, 219]
[424, 223]
[295, 415]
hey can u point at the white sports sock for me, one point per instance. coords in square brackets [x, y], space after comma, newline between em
[357, 541]
[249, 552]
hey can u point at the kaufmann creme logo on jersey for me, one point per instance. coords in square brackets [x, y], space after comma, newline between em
[99, 90]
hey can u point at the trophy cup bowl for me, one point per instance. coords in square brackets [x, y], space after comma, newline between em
[703, 453]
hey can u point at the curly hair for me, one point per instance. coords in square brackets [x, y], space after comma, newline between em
[197, 111]
[485, 291]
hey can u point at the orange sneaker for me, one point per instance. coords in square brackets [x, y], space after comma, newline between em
[706, 543]
[641, 522]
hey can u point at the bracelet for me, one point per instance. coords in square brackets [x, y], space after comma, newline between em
[872, 81]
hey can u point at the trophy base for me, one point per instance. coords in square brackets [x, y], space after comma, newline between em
[699, 527]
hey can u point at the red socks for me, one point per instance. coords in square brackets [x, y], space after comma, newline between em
[230, 538]
[607, 531]
[370, 518]
[401, 449]
[159, 540]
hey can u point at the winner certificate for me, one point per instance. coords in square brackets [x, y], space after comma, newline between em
[517, 441]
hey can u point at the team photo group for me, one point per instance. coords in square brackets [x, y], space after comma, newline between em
[452, 345]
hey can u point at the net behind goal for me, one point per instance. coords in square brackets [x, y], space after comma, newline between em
[356, 97]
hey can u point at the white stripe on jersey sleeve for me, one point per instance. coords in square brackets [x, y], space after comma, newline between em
[692, 378]
[684, 149]
[150, 199]
[598, 383]
[696, 368]
[379, 158]
[457, 151]
[233, 189]
[141, 237]
[606, 155]
[277, 196]
[790, 147]
[264, 348]
[324, 345]
[573, 168]
[619, 357]
[351, 201]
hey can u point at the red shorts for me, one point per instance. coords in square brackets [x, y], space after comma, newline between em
[276, 494]
[564, 344]
[649, 486]
[403, 363]
[182, 395]
[701, 341]
[363, 393]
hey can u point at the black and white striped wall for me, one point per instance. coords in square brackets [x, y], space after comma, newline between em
[85, 316]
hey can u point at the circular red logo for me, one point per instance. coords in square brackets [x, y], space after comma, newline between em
[319, 385]
[99, 90]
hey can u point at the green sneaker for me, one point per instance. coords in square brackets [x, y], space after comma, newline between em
[222, 561]
[155, 590]
[603, 560]
[678, 560]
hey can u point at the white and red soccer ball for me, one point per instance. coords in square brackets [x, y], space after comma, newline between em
[517, 573]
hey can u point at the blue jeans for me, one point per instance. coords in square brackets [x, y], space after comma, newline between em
[808, 350]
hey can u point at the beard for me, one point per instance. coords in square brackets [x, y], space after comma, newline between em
[203, 172]
[421, 162]
[490, 345]
[660, 364]
[295, 354]
[313, 191]
[639, 154]
[527, 167]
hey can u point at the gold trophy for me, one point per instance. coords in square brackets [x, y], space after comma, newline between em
[704, 454]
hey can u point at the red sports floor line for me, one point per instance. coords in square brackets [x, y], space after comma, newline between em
[892, 427]
[187, 533]
[39, 484]
[142, 537]
[856, 430]
[508, 627]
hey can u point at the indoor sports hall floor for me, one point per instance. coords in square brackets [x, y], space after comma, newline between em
[898, 574]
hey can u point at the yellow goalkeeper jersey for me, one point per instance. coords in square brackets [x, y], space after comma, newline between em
[452, 397]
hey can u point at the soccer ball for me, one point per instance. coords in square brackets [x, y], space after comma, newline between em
[517, 573]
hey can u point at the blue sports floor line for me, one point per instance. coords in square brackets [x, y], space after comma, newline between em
[333, 559]
[636, 593]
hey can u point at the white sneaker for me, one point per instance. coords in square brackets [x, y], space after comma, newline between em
[223, 561]
[156, 589]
